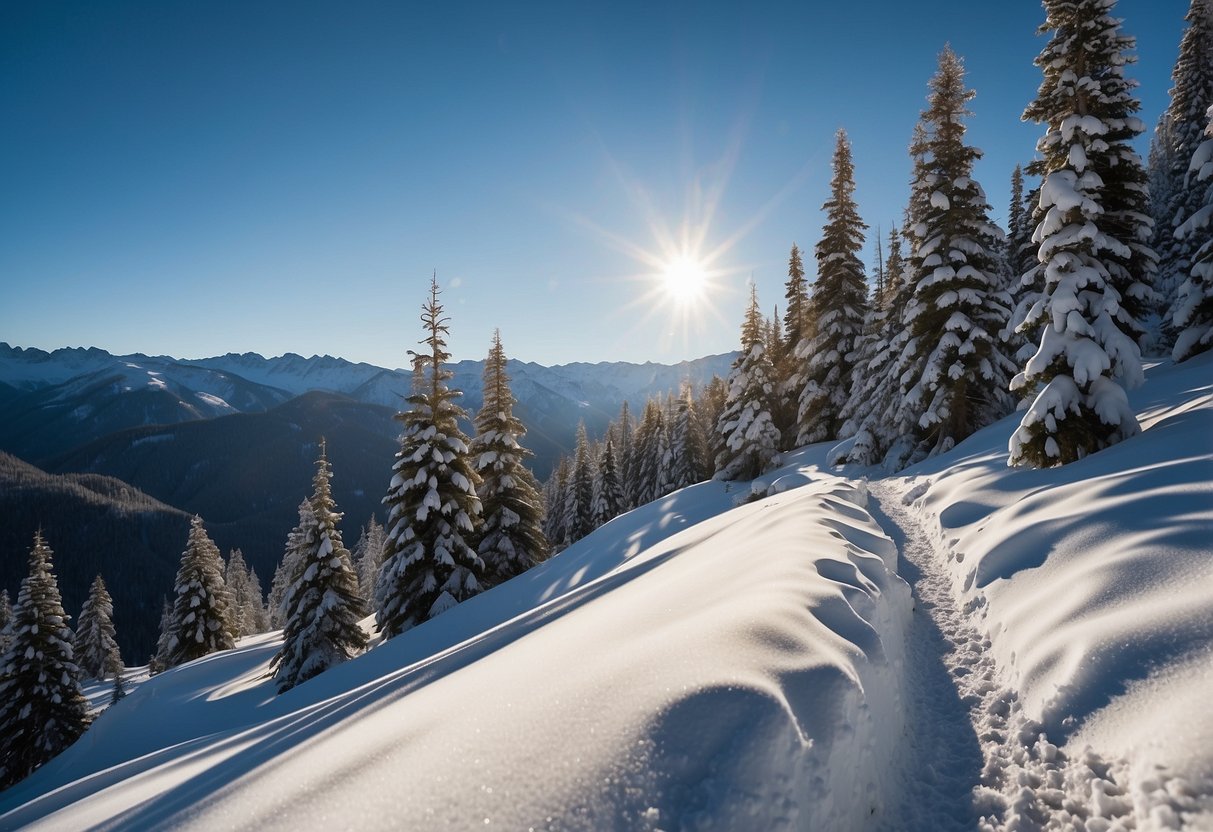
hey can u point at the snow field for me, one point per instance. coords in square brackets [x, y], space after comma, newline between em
[1085, 604]
[683, 667]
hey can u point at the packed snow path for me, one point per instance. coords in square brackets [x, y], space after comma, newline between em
[980, 762]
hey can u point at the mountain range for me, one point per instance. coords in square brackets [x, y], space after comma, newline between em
[233, 438]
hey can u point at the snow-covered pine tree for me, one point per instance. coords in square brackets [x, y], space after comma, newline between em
[1185, 121]
[579, 491]
[300, 539]
[118, 691]
[247, 606]
[954, 373]
[839, 303]
[797, 327]
[1090, 250]
[686, 465]
[96, 646]
[647, 449]
[202, 619]
[259, 613]
[1193, 316]
[368, 557]
[623, 429]
[42, 711]
[608, 500]
[511, 536]
[158, 662]
[708, 408]
[869, 412]
[554, 526]
[323, 604]
[748, 433]
[429, 565]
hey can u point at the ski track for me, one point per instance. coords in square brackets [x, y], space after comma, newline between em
[979, 761]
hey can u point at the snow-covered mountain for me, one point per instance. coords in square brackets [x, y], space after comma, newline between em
[960, 646]
[53, 402]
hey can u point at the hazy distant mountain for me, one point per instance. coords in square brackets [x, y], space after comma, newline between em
[95, 525]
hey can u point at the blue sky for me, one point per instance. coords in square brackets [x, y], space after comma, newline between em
[198, 178]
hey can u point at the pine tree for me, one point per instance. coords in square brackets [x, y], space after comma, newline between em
[554, 525]
[869, 410]
[686, 465]
[202, 619]
[953, 371]
[42, 711]
[839, 304]
[159, 660]
[323, 605]
[608, 501]
[118, 692]
[708, 409]
[430, 565]
[1193, 316]
[368, 557]
[623, 445]
[247, 606]
[96, 647]
[1090, 251]
[301, 539]
[259, 614]
[648, 450]
[511, 539]
[1184, 131]
[749, 437]
[579, 491]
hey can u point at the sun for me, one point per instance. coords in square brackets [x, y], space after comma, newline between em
[684, 279]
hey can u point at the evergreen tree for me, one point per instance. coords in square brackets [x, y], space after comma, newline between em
[708, 409]
[748, 433]
[511, 539]
[953, 371]
[368, 557]
[1090, 248]
[839, 304]
[430, 565]
[608, 501]
[301, 539]
[201, 615]
[118, 692]
[579, 491]
[554, 525]
[323, 605]
[1183, 131]
[648, 450]
[259, 614]
[686, 465]
[623, 429]
[159, 660]
[247, 606]
[869, 411]
[797, 328]
[96, 647]
[1193, 316]
[42, 711]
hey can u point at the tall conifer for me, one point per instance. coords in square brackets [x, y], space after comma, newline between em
[430, 565]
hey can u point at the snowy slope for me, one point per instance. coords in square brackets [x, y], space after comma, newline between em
[683, 664]
[1094, 586]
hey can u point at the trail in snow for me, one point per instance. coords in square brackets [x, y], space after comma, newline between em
[981, 762]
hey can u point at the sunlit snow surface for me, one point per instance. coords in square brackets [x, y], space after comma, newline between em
[660, 671]
[695, 665]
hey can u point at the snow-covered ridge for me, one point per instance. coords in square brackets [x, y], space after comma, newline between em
[604, 384]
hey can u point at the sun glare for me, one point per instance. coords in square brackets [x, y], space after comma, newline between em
[685, 279]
